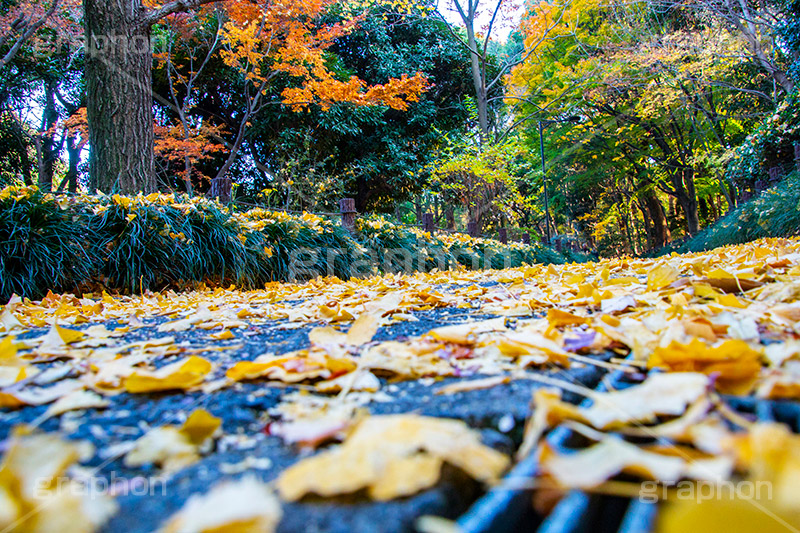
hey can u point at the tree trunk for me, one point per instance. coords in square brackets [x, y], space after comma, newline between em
[689, 208]
[648, 225]
[480, 85]
[49, 151]
[451, 219]
[658, 218]
[74, 151]
[683, 185]
[119, 96]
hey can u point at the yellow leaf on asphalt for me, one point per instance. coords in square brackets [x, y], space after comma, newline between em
[382, 446]
[596, 464]
[181, 375]
[244, 506]
[363, 329]
[200, 425]
[223, 335]
[9, 322]
[736, 363]
[174, 447]
[79, 399]
[36, 493]
[558, 318]
[8, 352]
[58, 338]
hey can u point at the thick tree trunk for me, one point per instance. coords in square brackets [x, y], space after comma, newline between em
[689, 208]
[119, 96]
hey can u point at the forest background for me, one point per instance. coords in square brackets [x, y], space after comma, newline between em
[637, 123]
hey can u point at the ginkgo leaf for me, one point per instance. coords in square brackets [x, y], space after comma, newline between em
[244, 506]
[8, 352]
[596, 464]
[34, 395]
[362, 330]
[661, 275]
[79, 399]
[200, 426]
[736, 363]
[9, 322]
[58, 338]
[379, 451]
[174, 447]
[659, 395]
[36, 493]
[223, 335]
[559, 318]
[181, 375]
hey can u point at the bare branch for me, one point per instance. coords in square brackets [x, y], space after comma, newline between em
[28, 29]
[154, 16]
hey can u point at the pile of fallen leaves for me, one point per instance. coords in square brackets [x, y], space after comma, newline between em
[686, 331]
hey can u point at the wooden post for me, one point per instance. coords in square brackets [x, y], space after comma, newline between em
[472, 229]
[526, 238]
[347, 207]
[221, 189]
[503, 234]
[428, 223]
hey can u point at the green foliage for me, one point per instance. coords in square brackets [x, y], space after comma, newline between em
[774, 213]
[303, 247]
[132, 244]
[42, 246]
[399, 248]
[771, 144]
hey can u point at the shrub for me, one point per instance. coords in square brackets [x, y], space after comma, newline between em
[158, 241]
[41, 245]
[774, 213]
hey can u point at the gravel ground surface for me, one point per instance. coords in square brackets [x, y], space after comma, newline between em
[146, 500]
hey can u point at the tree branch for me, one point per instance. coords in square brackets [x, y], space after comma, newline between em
[154, 16]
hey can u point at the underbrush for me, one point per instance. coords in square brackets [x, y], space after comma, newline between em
[132, 244]
[774, 213]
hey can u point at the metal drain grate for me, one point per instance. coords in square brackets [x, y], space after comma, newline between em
[510, 509]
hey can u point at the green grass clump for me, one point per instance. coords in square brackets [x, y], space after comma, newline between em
[41, 245]
[300, 246]
[137, 243]
[444, 250]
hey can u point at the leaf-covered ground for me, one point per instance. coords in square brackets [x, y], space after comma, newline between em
[328, 404]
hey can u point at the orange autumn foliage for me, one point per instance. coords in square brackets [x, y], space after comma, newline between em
[287, 38]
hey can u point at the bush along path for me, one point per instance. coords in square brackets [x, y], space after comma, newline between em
[773, 213]
[162, 241]
[370, 404]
